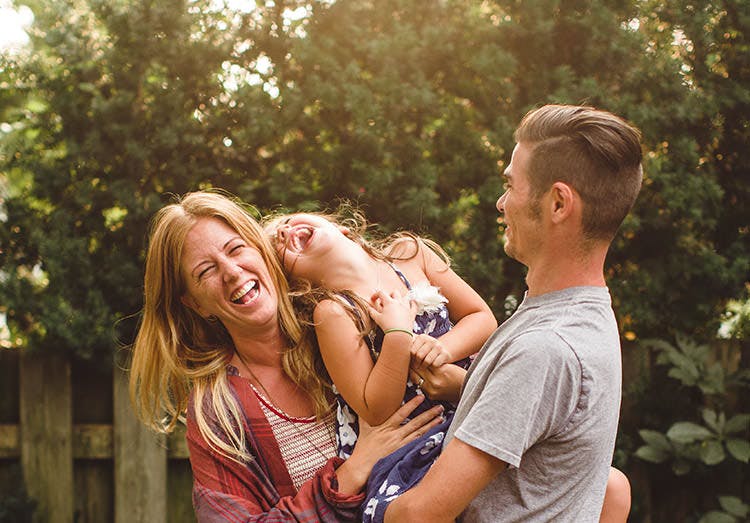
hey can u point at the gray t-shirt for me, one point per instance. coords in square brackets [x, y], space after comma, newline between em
[543, 395]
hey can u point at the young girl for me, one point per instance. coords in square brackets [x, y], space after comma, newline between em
[382, 309]
[379, 310]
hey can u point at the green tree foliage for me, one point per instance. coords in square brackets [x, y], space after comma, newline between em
[406, 110]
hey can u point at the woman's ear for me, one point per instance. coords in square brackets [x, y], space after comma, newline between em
[190, 303]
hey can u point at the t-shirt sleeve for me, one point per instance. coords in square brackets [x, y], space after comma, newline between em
[528, 394]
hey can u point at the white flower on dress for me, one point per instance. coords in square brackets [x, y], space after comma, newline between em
[427, 328]
[371, 506]
[390, 491]
[346, 434]
[432, 442]
[426, 296]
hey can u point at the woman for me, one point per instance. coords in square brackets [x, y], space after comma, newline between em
[220, 340]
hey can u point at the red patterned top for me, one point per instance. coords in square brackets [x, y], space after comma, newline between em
[262, 490]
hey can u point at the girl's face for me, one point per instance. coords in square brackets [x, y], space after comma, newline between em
[302, 241]
[227, 278]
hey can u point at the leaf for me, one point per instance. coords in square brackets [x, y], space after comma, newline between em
[683, 376]
[657, 344]
[734, 506]
[688, 432]
[712, 452]
[655, 439]
[713, 380]
[710, 417]
[685, 364]
[738, 423]
[681, 467]
[651, 454]
[739, 449]
[717, 517]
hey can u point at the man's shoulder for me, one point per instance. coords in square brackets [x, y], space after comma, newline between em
[540, 343]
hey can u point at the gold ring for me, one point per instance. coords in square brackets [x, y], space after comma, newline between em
[421, 380]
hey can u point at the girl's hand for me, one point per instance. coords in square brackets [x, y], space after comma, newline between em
[375, 443]
[392, 311]
[427, 351]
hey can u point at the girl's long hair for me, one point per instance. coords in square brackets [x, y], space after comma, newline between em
[177, 350]
[395, 247]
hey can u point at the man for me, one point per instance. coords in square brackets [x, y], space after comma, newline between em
[534, 432]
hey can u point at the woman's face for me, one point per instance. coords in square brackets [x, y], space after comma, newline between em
[227, 278]
[302, 242]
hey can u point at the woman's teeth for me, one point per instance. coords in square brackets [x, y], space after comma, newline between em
[243, 291]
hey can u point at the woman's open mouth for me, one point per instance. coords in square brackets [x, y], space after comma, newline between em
[246, 293]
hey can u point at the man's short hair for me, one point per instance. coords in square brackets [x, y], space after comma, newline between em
[595, 152]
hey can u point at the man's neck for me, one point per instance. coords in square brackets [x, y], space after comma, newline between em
[555, 272]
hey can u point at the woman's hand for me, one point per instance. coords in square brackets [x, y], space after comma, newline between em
[427, 351]
[392, 311]
[377, 442]
[439, 383]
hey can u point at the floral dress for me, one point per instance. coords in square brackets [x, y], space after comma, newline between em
[399, 471]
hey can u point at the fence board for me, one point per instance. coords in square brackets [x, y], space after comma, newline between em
[180, 489]
[10, 442]
[46, 435]
[8, 386]
[94, 491]
[140, 463]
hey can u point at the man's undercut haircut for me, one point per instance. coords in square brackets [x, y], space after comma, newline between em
[595, 152]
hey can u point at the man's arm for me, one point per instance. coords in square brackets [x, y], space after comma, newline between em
[440, 383]
[456, 478]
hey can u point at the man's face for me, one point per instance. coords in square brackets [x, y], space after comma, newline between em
[519, 210]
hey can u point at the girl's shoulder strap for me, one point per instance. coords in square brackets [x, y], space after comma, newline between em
[400, 275]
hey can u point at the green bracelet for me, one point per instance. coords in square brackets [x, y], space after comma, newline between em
[407, 331]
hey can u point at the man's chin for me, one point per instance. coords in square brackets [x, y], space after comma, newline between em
[510, 251]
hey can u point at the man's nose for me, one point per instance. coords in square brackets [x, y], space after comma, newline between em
[500, 204]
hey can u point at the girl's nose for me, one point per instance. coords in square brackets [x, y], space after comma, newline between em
[282, 232]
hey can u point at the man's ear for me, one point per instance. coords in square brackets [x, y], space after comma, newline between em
[563, 201]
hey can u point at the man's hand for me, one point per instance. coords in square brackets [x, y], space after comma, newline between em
[439, 383]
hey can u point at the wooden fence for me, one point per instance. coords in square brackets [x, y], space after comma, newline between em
[84, 456]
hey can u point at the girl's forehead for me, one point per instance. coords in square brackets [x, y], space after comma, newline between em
[303, 219]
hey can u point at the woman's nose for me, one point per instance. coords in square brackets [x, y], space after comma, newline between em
[231, 271]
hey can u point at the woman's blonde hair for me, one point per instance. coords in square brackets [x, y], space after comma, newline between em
[177, 350]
